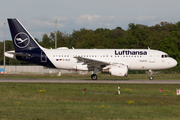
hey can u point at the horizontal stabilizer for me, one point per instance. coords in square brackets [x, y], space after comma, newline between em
[12, 54]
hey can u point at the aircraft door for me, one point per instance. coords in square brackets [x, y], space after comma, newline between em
[43, 57]
[151, 57]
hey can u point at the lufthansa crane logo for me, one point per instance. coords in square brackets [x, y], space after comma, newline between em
[21, 40]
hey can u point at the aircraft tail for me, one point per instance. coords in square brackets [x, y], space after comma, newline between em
[21, 38]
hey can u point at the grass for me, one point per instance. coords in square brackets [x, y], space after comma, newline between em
[100, 76]
[101, 101]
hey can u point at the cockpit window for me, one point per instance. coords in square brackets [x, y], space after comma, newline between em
[164, 56]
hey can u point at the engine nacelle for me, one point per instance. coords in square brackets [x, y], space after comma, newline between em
[119, 70]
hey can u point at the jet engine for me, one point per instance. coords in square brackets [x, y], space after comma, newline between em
[119, 70]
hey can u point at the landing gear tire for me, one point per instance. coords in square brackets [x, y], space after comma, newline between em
[150, 75]
[151, 78]
[94, 77]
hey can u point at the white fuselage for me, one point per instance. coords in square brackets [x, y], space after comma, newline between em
[135, 59]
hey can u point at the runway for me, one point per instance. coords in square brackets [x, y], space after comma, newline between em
[89, 81]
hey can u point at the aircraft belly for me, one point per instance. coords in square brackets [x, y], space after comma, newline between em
[147, 66]
[140, 65]
[64, 65]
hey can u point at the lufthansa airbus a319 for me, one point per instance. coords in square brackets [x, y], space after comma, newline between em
[117, 62]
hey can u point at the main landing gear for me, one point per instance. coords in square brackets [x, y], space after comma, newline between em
[150, 75]
[94, 77]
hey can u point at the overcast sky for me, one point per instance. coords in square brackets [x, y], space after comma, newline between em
[38, 15]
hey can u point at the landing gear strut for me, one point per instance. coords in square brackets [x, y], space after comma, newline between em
[150, 75]
[94, 77]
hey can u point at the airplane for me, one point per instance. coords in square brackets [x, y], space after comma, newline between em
[117, 62]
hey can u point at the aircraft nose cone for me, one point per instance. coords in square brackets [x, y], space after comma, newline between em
[174, 63]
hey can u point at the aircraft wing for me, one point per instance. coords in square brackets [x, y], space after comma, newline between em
[91, 62]
[98, 63]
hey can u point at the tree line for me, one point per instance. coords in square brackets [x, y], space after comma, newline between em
[163, 36]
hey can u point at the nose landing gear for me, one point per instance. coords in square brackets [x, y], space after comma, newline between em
[150, 75]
